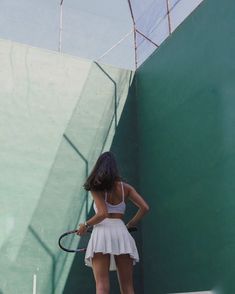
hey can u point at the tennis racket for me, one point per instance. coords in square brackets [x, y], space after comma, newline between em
[71, 242]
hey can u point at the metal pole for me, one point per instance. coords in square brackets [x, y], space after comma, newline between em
[134, 29]
[61, 25]
[168, 15]
[147, 38]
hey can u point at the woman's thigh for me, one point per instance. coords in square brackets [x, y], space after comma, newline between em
[100, 266]
[124, 265]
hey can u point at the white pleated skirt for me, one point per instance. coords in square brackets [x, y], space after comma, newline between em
[111, 236]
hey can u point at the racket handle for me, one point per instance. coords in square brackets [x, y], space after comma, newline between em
[89, 230]
[132, 229]
[69, 232]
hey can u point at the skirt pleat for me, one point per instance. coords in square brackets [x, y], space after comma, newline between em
[111, 236]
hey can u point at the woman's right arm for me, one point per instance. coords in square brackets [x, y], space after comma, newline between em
[102, 212]
[139, 202]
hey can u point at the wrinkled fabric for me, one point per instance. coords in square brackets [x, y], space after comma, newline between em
[111, 236]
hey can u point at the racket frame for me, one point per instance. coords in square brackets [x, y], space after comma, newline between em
[132, 229]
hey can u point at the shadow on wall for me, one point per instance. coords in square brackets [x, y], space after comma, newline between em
[80, 278]
[72, 163]
[125, 147]
[97, 117]
[63, 201]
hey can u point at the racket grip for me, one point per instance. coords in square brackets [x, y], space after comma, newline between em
[132, 229]
[89, 230]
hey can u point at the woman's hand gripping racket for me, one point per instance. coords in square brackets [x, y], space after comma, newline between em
[71, 242]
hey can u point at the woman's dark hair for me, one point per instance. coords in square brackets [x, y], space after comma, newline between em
[104, 173]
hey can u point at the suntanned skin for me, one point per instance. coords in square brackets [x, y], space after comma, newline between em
[124, 263]
[116, 197]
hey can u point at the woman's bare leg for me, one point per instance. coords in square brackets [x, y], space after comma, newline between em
[100, 266]
[125, 273]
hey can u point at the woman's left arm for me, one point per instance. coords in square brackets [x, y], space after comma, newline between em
[101, 214]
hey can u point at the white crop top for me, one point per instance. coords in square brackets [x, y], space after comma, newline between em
[114, 208]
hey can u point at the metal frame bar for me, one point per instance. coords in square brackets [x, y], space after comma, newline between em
[61, 26]
[115, 45]
[134, 29]
[135, 33]
[168, 15]
[147, 38]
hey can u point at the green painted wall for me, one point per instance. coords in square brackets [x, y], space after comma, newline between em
[125, 146]
[185, 100]
[175, 143]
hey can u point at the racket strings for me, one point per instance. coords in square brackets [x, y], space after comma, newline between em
[72, 242]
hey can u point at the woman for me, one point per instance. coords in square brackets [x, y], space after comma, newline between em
[111, 246]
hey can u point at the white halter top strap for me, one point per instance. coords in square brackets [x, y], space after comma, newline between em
[123, 196]
[122, 192]
[116, 208]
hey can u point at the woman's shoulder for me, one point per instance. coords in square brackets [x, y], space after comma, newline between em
[127, 187]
